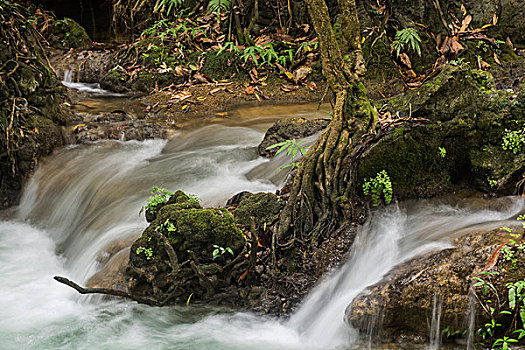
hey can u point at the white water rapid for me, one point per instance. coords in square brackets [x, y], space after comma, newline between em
[84, 198]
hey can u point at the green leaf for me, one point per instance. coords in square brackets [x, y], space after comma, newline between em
[512, 298]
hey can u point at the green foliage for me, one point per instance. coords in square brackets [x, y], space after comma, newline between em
[166, 226]
[377, 186]
[218, 6]
[159, 196]
[449, 331]
[442, 152]
[513, 140]
[220, 251]
[513, 307]
[148, 252]
[292, 147]
[407, 37]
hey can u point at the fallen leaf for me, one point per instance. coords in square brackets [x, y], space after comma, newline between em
[497, 59]
[250, 90]
[493, 258]
[214, 91]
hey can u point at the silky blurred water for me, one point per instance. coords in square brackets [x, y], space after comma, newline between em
[84, 198]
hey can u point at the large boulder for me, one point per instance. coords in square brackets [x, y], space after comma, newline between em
[400, 307]
[66, 34]
[451, 138]
[187, 252]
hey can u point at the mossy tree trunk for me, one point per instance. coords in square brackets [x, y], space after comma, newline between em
[325, 184]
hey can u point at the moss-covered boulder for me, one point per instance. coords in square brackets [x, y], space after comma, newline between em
[287, 129]
[66, 34]
[178, 201]
[263, 207]
[186, 250]
[452, 137]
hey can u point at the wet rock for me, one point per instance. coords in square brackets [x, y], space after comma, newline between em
[400, 306]
[205, 244]
[461, 112]
[88, 66]
[263, 207]
[66, 34]
[287, 129]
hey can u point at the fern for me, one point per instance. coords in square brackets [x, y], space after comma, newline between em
[407, 37]
[219, 5]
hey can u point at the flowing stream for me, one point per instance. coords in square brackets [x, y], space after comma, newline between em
[85, 198]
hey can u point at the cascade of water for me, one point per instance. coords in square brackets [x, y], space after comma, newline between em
[471, 321]
[84, 198]
[435, 327]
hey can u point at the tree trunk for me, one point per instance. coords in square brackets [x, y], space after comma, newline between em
[324, 188]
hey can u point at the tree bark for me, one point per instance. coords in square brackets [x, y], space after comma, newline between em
[324, 186]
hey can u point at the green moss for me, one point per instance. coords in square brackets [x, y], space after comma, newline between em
[222, 66]
[198, 230]
[263, 207]
[67, 33]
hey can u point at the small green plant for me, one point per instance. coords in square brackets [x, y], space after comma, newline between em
[220, 251]
[166, 226]
[442, 152]
[148, 252]
[377, 186]
[492, 182]
[159, 196]
[292, 147]
[407, 37]
[218, 6]
[513, 140]
[458, 61]
[449, 331]
[230, 47]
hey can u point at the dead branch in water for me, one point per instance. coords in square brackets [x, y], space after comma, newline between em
[112, 292]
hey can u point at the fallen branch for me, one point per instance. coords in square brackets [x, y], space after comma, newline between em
[112, 292]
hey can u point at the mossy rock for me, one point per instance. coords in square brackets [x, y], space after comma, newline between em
[178, 201]
[66, 34]
[195, 230]
[461, 111]
[222, 66]
[263, 207]
[115, 81]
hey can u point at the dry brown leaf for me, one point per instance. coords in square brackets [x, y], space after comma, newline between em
[465, 23]
[497, 59]
[405, 60]
[250, 90]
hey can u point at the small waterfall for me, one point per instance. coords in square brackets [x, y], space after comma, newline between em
[435, 325]
[86, 197]
[471, 320]
[68, 76]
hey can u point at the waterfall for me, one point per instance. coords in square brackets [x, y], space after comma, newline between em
[85, 198]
